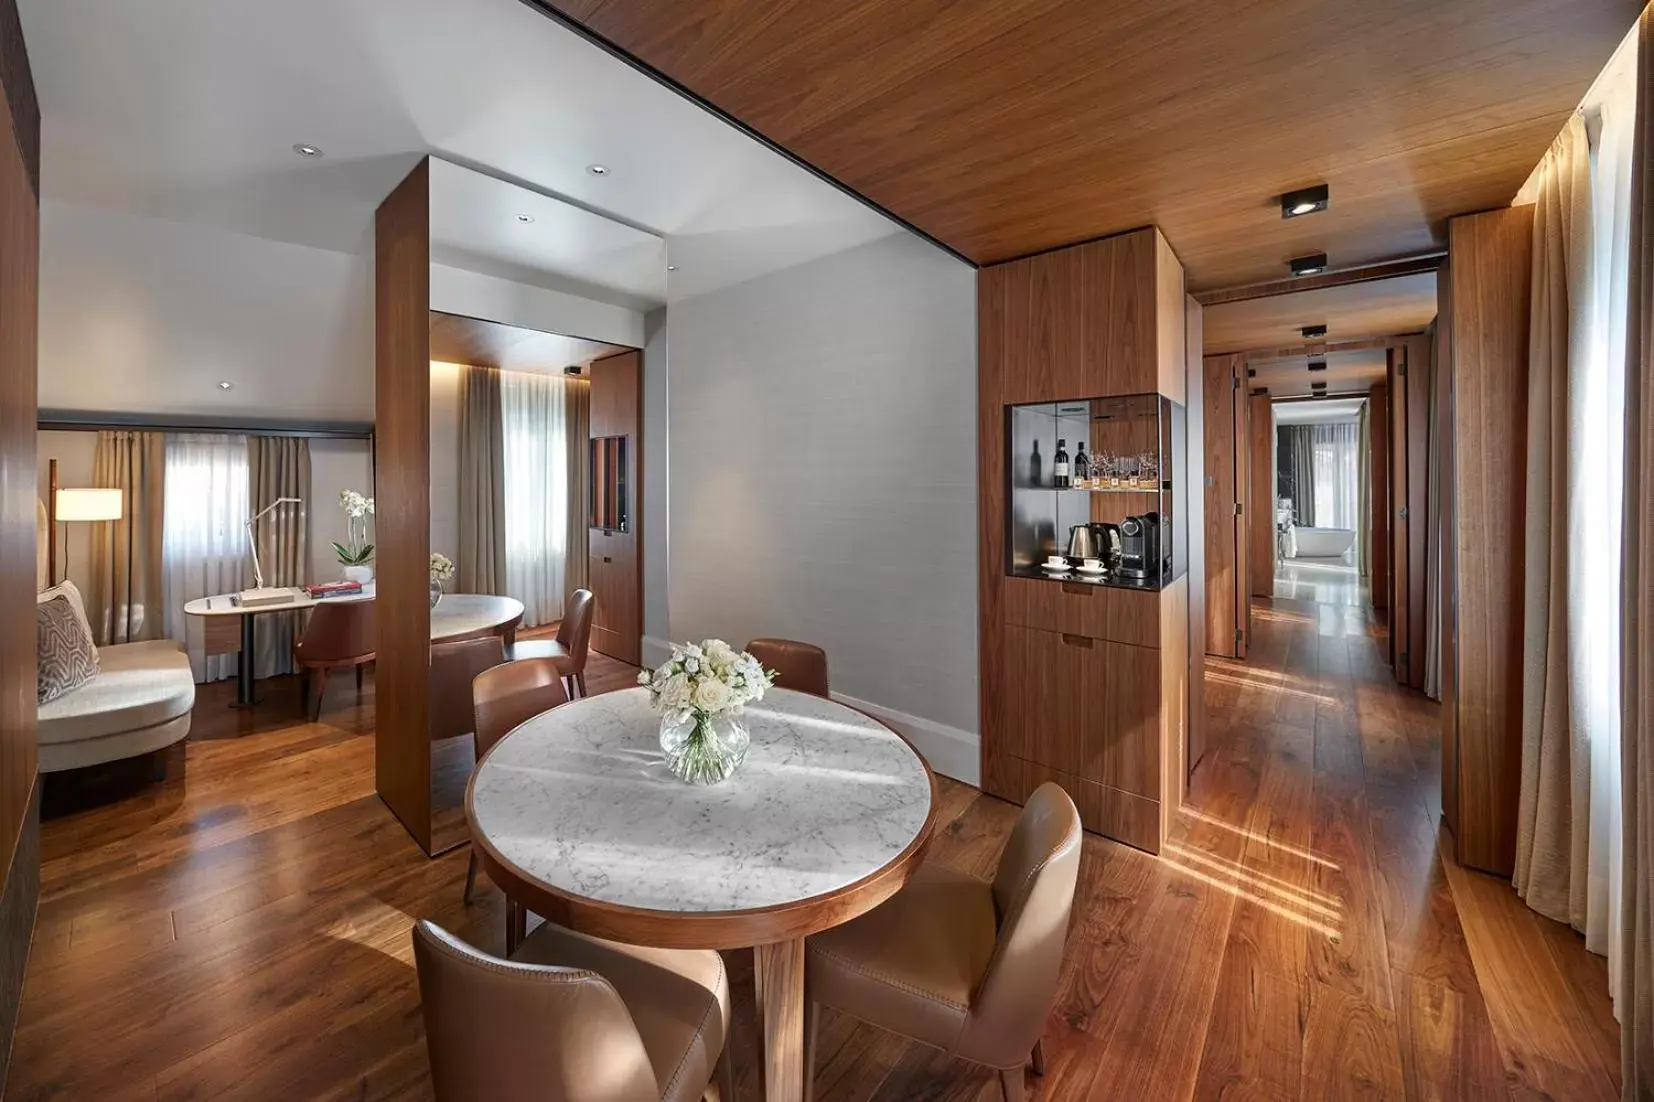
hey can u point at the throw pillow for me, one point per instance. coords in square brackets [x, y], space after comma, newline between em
[68, 589]
[63, 647]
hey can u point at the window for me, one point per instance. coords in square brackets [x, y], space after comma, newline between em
[203, 533]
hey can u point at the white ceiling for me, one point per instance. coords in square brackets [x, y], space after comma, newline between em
[1318, 413]
[188, 110]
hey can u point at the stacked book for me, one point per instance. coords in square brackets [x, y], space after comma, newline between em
[333, 589]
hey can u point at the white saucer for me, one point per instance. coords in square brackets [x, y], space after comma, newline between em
[1091, 570]
[1063, 569]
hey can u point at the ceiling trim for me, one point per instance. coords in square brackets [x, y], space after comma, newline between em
[545, 8]
[1316, 348]
[1343, 277]
[1263, 390]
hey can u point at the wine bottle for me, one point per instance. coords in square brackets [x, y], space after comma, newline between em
[1082, 468]
[1059, 466]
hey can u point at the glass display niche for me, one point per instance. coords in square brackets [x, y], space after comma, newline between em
[1124, 495]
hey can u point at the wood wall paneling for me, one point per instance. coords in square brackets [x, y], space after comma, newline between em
[1171, 326]
[1259, 512]
[1448, 638]
[615, 560]
[1491, 258]
[1378, 509]
[402, 340]
[1000, 774]
[1194, 493]
[1174, 702]
[1396, 500]
[1421, 375]
[19, 307]
[1225, 594]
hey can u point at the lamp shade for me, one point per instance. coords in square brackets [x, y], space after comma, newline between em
[89, 504]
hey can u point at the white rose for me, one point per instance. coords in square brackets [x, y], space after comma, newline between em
[676, 694]
[691, 665]
[712, 696]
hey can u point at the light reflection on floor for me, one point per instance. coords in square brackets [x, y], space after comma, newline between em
[1325, 581]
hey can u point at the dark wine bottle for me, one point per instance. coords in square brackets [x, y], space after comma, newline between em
[1059, 466]
[1035, 475]
[1082, 468]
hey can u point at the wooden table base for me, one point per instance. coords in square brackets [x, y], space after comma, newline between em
[779, 980]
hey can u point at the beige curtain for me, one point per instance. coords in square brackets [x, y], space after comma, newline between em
[1634, 1000]
[577, 406]
[481, 557]
[1553, 822]
[278, 467]
[124, 591]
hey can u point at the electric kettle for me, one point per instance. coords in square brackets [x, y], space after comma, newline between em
[1082, 543]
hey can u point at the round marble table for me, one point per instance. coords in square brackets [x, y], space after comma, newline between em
[465, 615]
[575, 817]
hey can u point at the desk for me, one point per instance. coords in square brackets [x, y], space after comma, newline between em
[575, 817]
[456, 616]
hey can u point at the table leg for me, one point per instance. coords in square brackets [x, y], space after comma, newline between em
[779, 979]
[244, 665]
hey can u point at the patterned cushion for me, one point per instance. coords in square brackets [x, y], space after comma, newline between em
[63, 649]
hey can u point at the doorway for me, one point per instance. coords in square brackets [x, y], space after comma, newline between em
[1323, 484]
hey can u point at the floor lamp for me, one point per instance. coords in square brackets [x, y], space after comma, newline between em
[73, 506]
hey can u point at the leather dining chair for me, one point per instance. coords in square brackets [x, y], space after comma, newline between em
[569, 1018]
[339, 635]
[572, 645]
[798, 666]
[959, 963]
[502, 697]
[454, 666]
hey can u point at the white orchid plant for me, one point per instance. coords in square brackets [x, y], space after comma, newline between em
[358, 551]
[705, 680]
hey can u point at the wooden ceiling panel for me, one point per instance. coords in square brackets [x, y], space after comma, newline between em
[1346, 372]
[462, 340]
[1356, 311]
[1003, 127]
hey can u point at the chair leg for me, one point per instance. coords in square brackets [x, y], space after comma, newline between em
[812, 1029]
[470, 875]
[1012, 1084]
[580, 678]
[359, 670]
[1039, 1057]
[321, 690]
[516, 925]
[725, 1074]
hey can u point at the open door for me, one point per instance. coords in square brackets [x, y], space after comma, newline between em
[1224, 407]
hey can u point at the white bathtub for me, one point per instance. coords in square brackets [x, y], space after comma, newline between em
[1318, 543]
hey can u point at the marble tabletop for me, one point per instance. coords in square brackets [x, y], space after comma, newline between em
[458, 615]
[579, 799]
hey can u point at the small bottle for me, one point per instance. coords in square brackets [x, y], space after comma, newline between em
[1082, 468]
[1034, 465]
[1059, 466]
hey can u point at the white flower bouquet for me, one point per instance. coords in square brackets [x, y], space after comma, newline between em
[442, 567]
[699, 693]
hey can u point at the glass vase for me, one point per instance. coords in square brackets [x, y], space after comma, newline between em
[436, 592]
[703, 749]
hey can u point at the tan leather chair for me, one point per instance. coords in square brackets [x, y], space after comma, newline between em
[571, 1018]
[454, 666]
[958, 963]
[501, 698]
[798, 666]
[572, 645]
[340, 634]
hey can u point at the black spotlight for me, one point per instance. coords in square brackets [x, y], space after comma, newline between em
[1310, 332]
[1318, 365]
[1309, 200]
[1309, 265]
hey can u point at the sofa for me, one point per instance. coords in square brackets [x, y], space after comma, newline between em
[138, 702]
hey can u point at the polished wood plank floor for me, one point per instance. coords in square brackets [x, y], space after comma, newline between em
[241, 930]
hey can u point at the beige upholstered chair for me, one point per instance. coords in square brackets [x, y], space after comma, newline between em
[962, 964]
[340, 635]
[454, 666]
[571, 1019]
[572, 645]
[501, 698]
[799, 666]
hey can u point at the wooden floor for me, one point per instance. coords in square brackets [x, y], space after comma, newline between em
[241, 931]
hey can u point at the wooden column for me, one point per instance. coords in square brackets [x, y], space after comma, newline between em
[402, 489]
[1193, 342]
[1378, 510]
[1420, 381]
[19, 305]
[1259, 515]
[1490, 263]
[1395, 503]
[1223, 491]
[614, 567]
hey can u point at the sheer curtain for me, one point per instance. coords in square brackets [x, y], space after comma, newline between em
[534, 428]
[203, 541]
[1337, 474]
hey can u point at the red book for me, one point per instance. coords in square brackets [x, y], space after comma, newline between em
[333, 589]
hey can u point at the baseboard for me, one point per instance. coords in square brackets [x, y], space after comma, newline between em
[949, 750]
[655, 651]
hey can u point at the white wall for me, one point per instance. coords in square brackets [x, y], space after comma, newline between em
[823, 478]
[140, 315]
[656, 489]
[474, 295]
[73, 452]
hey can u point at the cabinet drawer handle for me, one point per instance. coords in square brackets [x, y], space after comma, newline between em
[607, 559]
[1075, 589]
[1077, 640]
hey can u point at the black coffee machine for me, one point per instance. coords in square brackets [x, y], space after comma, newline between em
[1140, 547]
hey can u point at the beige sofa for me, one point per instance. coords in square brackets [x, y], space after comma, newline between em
[138, 703]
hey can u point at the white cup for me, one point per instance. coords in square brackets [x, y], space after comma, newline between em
[1092, 564]
[1056, 560]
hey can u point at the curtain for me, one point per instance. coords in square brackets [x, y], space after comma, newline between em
[481, 557]
[278, 467]
[125, 600]
[1296, 465]
[1632, 975]
[205, 537]
[577, 400]
[536, 492]
[1364, 488]
[1337, 479]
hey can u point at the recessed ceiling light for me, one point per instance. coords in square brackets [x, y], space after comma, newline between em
[1319, 394]
[226, 385]
[1318, 386]
[1309, 265]
[1317, 365]
[671, 267]
[1310, 332]
[525, 219]
[598, 170]
[307, 150]
[1296, 204]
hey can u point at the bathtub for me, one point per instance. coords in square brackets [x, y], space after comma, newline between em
[1318, 543]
